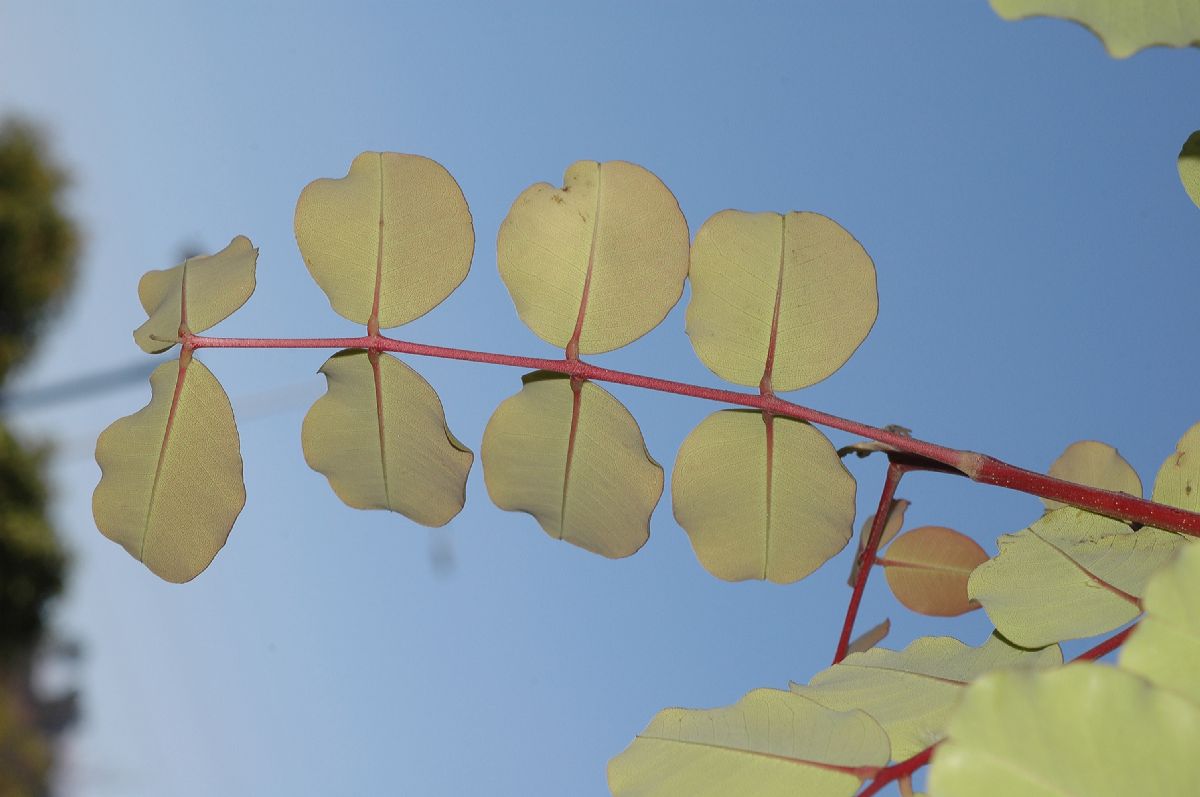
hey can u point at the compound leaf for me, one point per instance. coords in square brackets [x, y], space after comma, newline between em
[761, 498]
[779, 300]
[602, 258]
[770, 743]
[1081, 729]
[1069, 575]
[1165, 648]
[379, 436]
[389, 241]
[215, 286]
[1095, 464]
[912, 693]
[575, 460]
[1189, 166]
[1178, 480]
[1125, 26]
[927, 569]
[171, 473]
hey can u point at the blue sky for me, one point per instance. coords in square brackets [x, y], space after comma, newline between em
[1016, 188]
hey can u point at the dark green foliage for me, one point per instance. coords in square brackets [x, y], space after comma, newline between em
[38, 243]
[37, 262]
[31, 561]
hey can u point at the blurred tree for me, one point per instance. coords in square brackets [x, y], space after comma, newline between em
[38, 247]
[38, 243]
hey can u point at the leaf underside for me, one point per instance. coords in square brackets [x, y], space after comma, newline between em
[388, 241]
[785, 298]
[870, 638]
[769, 744]
[602, 259]
[1089, 728]
[1124, 26]
[1069, 575]
[379, 435]
[912, 693]
[927, 569]
[1178, 480]
[891, 527]
[1189, 167]
[216, 286]
[171, 474]
[1082, 729]
[1165, 647]
[576, 461]
[1095, 464]
[761, 499]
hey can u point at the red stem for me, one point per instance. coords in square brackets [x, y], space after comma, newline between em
[1107, 646]
[866, 562]
[897, 771]
[977, 467]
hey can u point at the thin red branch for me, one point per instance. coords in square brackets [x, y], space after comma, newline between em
[1107, 646]
[896, 771]
[895, 472]
[977, 467]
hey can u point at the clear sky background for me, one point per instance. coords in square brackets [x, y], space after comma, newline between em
[1037, 266]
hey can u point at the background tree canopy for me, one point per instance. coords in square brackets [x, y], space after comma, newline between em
[38, 247]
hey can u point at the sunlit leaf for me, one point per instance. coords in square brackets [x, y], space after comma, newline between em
[928, 568]
[785, 298]
[869, 638]
[912, 692]
[605, 255]
[1178, 480]
[1069, 575]
[1189, 166]
[1125, 26]
[769, 744]
[1096, 465]
[171, 473]
[394, 231]
[215, 285]
[379, 436]
[766, 499]
[576, 461]
[891, 527]
[1084, 729]
[1165, 647]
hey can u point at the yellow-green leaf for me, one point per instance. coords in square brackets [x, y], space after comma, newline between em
[1095, 464]
[891, 527]
[1125, 26]
[1069, 575]
[770, 743]
[390, 240]
[576, 461]
[766, 499]
[602, 258]
[171, 473]
[927, 569]
[1189, 166]
[912, 693]
[1178, 480]
[1165, 648]
[379, 436]
[215, 286]
[1085, 729]
[870, 638]
[781, 298]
